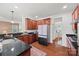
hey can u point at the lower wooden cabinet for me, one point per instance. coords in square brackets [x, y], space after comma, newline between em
[24, 38]
[28, 38]
[25, 53]
[71, 52]
[75, 13]
[32, 38]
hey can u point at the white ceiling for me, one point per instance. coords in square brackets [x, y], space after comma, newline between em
[34, 9]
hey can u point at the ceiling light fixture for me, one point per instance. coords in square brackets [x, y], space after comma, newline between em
[12, 21]
[65, 6]
[12, 16]
[15, 6]
[36, 17]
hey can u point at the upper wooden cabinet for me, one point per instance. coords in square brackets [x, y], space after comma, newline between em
[75, 16]
[75, 13]
[47, 21]
[30, 24]
[33, 25]
[44, 21]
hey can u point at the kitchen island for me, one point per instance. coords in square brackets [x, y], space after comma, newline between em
[14, 47]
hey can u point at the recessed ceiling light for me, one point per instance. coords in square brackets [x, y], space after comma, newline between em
[12, 21]
[15, 6]
[65, 6]
[36, 16]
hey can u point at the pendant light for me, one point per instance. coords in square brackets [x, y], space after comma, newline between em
[12, 18]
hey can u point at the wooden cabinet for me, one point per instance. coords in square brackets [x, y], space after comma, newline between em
[35, 37]
[25, 53]
[75, 16]
[32, 38]
[47, 21]
[75, 13]
[44, 21]
[71, 49]
[33, 25]
[39, 22]
[24, 38]
[28, 38]
[30, 24]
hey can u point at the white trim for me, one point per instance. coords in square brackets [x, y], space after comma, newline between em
[38, 18]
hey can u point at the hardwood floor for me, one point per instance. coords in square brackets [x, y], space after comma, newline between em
[52, 50]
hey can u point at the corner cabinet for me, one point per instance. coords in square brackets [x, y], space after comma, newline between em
[44, 21]
[75, 16]
[30, 24]
[75, 13]
[30, 38]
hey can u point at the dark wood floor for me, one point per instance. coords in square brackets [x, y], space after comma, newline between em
[53, 50]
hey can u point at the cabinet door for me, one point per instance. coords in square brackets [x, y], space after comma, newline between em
[76, 14]
[25, 39]
[44, 21]
[33, 24]
[47, 21]
[20, 38]
[40, 22]
[73, 16]
[25, 53]
[34, 37]
[28, 24]
[30, 39]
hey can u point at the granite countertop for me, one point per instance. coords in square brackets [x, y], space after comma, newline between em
[13, 47]
[27, 34]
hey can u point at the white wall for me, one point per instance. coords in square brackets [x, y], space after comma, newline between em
[10, 21]
[7, 20]
[22, 25]
[66, 24]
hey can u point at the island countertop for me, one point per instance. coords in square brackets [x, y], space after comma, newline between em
[13, 47]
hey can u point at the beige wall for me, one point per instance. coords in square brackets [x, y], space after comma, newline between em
[5, 27]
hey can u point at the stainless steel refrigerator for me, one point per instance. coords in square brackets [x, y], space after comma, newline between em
[44, 32]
